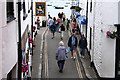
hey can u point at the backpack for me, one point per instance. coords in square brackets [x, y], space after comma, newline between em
[56, 22]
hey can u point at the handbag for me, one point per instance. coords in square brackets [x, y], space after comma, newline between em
[68, 50]
[59, 30]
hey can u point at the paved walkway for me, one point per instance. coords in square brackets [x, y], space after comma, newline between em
[70, 68]
[86, 62]
[37, 55]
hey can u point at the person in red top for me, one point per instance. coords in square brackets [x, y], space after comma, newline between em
[38, 23]
[74, 25]
[57, 22]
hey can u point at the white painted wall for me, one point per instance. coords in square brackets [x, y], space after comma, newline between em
[103, 17]
[8, 42]
[25, 23]
[83, 5]
[9, 47]
[109, 16]
[0, 41]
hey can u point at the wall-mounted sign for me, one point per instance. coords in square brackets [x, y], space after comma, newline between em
[40, 8]
[75, 3]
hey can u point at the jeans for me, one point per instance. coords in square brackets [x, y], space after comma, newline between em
[61, 34]
[61, 64]
[57, 28]
[82, 51]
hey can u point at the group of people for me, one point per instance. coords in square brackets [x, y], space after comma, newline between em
[61, 52]
[55, 27]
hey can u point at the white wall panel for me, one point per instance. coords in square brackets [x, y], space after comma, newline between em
[9, 43]
[0, 41]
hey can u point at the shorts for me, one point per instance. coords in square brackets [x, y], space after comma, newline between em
[72, 48]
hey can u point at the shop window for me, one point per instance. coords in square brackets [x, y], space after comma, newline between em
[10, 11]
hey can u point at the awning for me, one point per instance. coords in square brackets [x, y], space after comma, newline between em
[72, 7]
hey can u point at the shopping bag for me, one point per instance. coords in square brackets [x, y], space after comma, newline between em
[68, 50]
[59, 30]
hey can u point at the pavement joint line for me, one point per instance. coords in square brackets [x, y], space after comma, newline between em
[43, 37]
[78, 68]
[42, 47]
[47, 72]
[40, 68]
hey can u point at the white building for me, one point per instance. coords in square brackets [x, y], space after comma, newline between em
[26, 32]
[104, 51]
[8, 40]
[9, 37]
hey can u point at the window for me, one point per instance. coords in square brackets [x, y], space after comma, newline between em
[10, 11]
[90, 38]
[24, 11]
[91, 6]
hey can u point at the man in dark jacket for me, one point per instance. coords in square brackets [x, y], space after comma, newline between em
[82, 45]
[62, 27]
[72, 43]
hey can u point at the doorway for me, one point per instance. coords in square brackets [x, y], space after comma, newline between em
[118, 54]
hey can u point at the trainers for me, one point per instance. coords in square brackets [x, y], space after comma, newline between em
[82, 56]
[60, 71]
[72, 57]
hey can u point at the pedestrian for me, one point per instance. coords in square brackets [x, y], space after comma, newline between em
[49, 15]
[61, 55]
[38, 23]
[82, 45]
[62, 28]
[54, 19]
[67, 23]
[59, 15]
[57, 22]
[74, 25]
[72, 43]
[52, 27]
[63, 17]
[51, 21]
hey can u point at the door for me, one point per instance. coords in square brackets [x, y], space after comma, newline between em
[118, 55]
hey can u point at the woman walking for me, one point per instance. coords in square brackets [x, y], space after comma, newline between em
[61, 55]
[52, 28]
[57, 22]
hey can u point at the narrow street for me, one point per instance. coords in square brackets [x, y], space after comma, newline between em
[29, 49]
[51, 68]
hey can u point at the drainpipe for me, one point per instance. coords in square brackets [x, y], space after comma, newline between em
[32, 22]
[19, 43]
[86, 19]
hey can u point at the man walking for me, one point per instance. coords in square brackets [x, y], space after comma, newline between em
[72, 43]
[62, 27]
[82, 45]
[61, 55]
